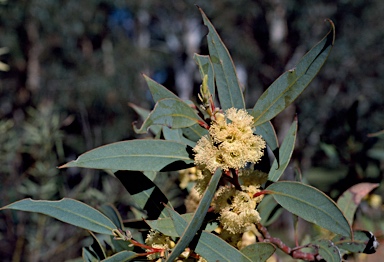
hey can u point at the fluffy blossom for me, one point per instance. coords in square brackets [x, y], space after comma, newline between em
[231, 142]
[237, 208]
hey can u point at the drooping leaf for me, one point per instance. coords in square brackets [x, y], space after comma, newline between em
[158, 91]
[328, 251]
[197, 220]
[267, 132]
[310, 204]
[269, 210]
[144, 113]
[146, 195]
[285, 153]
[170, 112]
[351, 198]
[206, 68]
[139, 154]
[122, 256]
[259, 252]
[227, 83]
[363, 242]
[292, 83]
[69, 211]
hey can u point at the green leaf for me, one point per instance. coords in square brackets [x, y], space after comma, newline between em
[267, 132]
[310, 204]
[178, 221]
[351, 198]
[158, 91]
[144, 113]
[213, 248]
[195, 132]
[170, 112]
[112, 213]
[259, 251]
[269, 210]
[328, 251]
[197, 220]
[285, 153]
[97, 247]
[122, 257]
[89, 255]
[209, 246]
[146, 195]
[228, 87]
[69, 211]
[292, 83]
[166, 225]
[139, 154]
[206, 68]
[363, 242]
[176, 135]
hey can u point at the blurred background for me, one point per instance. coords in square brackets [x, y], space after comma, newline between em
[69, 68]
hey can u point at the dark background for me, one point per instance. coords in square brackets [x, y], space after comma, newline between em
[74, 66]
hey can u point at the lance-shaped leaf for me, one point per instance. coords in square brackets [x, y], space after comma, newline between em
[69, 211]
[197, 220]
[292, 83]
[213, 248]
[351, 198]
[139, 155]
[227, 83]
[285, 153]
[310, 204]
[170, 112]
[146, 195]
[158, 91]
[206, 68]
[267, 132]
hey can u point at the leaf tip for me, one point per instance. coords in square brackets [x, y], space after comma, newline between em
[333, 29]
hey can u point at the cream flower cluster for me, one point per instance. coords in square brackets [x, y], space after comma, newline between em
[231, 142]
[237, 208]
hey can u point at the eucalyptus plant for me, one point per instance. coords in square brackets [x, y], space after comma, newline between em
[216, 145]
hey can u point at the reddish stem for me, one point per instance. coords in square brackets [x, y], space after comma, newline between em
[293, 252]
[203, 124]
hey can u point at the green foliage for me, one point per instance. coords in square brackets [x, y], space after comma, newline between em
[180, 125]
[310, 204]
[142, 155]
[285, 154]
[292, 83]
